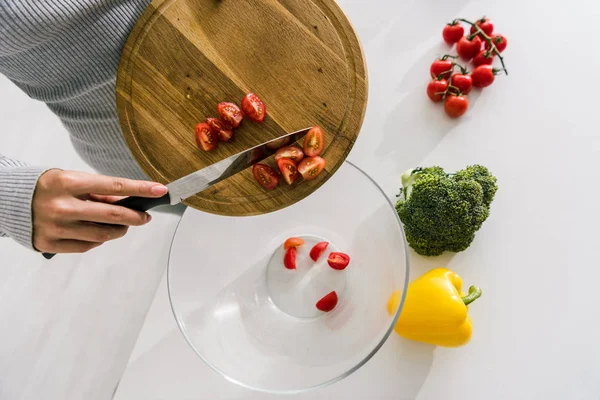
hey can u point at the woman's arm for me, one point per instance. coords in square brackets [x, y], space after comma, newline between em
[17, 185]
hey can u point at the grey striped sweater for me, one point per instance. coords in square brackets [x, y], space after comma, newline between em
[65, 53]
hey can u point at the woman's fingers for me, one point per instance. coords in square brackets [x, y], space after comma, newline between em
[91, 232]
[109, 214]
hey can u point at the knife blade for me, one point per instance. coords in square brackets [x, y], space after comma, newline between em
[204, 178]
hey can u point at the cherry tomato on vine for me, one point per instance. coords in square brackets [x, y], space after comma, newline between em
[436, 89]
[485, 24]
[499, 41]
[464, 83]
[453, 32]
[441, 69]
[468, 49]
[455, 105]
[483, 76]
[483, 58]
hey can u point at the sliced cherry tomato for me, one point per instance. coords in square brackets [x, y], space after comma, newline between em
[313, 142]
[205, 138]
[220, 128]
[455, 106]
[436, 89]
[311, 167]
[265, 176]
[294, 153]
[485, 24]
[483, 58]
[441, 69]
[327, 302]
[338, 260]
[453, 32]
[499, 41]
[483, 76]
[292, 242]
[288, 169]
[317, 250]
[468, 49]
[289, 259]
[230, 113]
[254, 108]
[464, 83]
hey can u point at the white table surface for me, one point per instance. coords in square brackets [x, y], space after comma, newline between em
[69, 328]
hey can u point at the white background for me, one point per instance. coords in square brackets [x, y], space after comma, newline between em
[68, 327]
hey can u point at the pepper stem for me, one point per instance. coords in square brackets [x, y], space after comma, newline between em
[474, 294]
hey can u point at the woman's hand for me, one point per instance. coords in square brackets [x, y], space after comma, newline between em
[68, 208]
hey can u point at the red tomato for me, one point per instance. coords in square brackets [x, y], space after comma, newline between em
[230, 113]
[311, 167]
[453, 32]
[220, 128]
[483, 76]
[328, 302]
[464, 83]
[288, 170]
[313, 142]
[436, 89]
[254, 107]
[485, 24]
[294, 153]
[483, 58]
[338, 261]
[468, 49]
[317, 250]
[292, 242]
[455, 106]
[265, 176]
[205, 138]
[289, 259]
[441, 69]
[499, 41]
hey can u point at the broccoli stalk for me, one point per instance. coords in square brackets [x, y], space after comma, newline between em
[441, 211]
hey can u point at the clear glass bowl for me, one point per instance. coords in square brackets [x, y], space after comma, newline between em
[255, 322]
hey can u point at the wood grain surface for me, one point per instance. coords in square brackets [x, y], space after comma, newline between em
[183, 57]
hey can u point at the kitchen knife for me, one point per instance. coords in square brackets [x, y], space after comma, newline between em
[204, 178]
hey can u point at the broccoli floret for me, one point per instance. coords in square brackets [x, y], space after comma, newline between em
[440, 211]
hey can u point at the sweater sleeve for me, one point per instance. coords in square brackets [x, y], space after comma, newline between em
[17, 185]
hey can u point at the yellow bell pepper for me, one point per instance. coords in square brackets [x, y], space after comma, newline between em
[435, 310]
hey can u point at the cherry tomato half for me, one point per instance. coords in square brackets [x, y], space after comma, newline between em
[292, 242]
[327, 302]
[317, 250]
[220, 128]
[289, 259]
[441, 69]
[464, 83]
[313, 142]
[468, 49]
[311, 167]
[294, 153]
[254, 108]
[499, 41]
[453, 32]
[265, 176]
[485, 24]
[288, 169]
[455, 106]
[483, 58]
[338, 260]
[230, 113]
[436, 89]
[205, 138]
[483, 76]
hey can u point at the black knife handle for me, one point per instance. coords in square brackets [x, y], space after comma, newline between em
[141, 204]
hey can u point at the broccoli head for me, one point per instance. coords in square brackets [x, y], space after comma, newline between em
[440, 211]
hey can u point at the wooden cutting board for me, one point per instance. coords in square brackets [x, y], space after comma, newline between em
[183, 57]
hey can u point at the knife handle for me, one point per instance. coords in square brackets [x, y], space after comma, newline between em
[141, 204]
